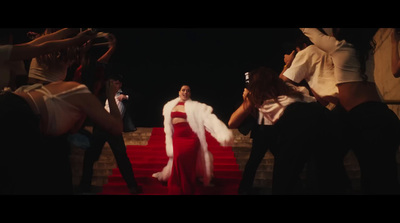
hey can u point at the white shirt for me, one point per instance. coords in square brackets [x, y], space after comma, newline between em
[316, 67]
[270, 111]
[120, 105]
[347, 66]
[44, 73]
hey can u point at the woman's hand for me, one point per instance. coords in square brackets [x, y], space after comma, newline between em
[288, 58]
[245, 93]
[85, 36]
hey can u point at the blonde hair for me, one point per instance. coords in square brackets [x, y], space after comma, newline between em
[68, 55]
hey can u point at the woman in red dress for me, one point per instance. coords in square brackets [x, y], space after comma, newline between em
[185, 146]
[185, 123]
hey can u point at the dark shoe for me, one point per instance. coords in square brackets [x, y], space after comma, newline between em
[136, 190]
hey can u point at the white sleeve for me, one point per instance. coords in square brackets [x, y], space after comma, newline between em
[326, 43]
[299, 68]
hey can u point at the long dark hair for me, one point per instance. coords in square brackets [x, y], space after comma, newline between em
[265, 84]
[363, 42]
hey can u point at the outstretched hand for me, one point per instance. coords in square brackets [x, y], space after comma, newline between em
[288, 58]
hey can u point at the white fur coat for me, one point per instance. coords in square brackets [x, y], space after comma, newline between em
[200, 119]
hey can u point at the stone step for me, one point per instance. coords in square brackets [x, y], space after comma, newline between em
[241, 148]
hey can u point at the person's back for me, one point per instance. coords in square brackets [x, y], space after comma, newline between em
[45, 74]
[353, 90]
[63, 107]
[315, 67]
[371, 127]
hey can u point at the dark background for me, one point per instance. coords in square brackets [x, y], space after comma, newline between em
[155, 62]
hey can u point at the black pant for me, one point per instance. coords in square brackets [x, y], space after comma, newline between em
[263, 140]
[326, 173]
[374, 133]
[93, 153]
[297, 138]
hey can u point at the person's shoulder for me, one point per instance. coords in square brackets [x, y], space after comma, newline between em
[169, 104]
[74, 84]
[313, 50]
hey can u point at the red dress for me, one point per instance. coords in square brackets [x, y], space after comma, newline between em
[186, 145]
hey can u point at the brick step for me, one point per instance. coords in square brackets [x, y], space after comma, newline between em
[151, 186]
[159, 165]
[148, 172]
[153, 152]
[164, 158]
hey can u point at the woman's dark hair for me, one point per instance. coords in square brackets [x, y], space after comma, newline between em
[363, 42]
[265, 84]
[302, 40]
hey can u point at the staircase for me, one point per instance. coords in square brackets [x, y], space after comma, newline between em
[151, 158]
[147, 154]
[106, 163]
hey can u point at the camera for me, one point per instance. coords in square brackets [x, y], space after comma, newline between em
[246, 79]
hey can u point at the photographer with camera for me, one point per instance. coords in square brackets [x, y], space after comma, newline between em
[260, 133]
[295, 121]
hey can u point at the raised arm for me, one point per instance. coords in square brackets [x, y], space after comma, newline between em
[288, 59]
[322, 41]
[112, 42]
[28, 50]
[59, 34]
[241, 113]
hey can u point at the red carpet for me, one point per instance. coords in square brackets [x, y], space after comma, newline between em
[151, 158]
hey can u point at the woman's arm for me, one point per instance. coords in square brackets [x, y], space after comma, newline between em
[60, 34]
[110, 122]
[27, 50]
[241, 113]
[288, 59]
[111, 48]
[322, 41]
[395, 54]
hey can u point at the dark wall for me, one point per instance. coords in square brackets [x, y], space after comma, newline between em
[157, 61]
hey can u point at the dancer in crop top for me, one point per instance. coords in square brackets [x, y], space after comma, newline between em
[373, 129]
[185, 123]
[53, 67]
[33, 112]
[39, 46]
